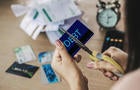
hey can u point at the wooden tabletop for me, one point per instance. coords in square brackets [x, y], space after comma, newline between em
[11, 36]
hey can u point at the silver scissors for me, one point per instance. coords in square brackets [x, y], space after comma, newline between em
[96, 56]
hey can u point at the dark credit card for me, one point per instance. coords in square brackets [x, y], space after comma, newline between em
[24, 70]
[79, 31]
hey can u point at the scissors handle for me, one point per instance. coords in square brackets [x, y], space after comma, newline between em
[98, 57]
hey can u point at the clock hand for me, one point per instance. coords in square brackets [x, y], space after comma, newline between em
[109, 16]
[108, 19]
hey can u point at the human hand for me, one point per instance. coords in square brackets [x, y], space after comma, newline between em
[118, 55]
[67, 68]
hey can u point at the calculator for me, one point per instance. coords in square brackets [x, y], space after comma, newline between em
[113, 38]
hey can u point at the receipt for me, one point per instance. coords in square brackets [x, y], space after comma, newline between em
[58, 10]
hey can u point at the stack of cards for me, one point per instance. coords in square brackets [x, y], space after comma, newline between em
[24, 54]
[48, 75]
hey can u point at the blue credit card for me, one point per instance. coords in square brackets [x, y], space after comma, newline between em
[79, 31]
[50, 74]
[45, 57]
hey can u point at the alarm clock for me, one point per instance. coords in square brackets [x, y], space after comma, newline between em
[108, 14]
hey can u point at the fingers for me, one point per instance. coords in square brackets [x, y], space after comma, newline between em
[77, 58]
[92, 65]
[57, 56]
[105, 68]
[62, 50]
[118, 55]
[114, 78]
[109, 52]
[110, 75]
[105, 65]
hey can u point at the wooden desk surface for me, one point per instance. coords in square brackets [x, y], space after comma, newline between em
[11, 36]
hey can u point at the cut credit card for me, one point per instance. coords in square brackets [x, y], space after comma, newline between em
[24, 70]
[79, 31]
[48, 75]
[45, 57]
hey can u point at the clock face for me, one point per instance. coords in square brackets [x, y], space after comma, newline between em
[107, 18]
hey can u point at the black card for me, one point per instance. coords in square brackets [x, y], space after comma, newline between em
[24, 70]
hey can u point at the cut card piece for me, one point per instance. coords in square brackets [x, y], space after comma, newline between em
[24, 54]
[24, 70]
[45, 57]
[48, 76]
[79, 31]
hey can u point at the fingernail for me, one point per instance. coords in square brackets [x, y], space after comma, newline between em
[90, 65]
[58, 43]
[114, 78]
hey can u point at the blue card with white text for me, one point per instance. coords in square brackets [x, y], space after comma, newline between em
[79, 31]
[50, 75]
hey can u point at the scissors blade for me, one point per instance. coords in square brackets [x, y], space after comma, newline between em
[78, 42]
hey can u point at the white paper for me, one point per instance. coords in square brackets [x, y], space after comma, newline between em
[31, 28]
[53, 36]
[49, 13]
[29, 23]
[18, 9]
[54, 26]
[58, 10]
[37, 32]
[26, 21]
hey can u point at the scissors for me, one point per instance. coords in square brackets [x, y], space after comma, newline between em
[96, 56]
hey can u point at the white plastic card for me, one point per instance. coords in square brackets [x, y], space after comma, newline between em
[24, 54]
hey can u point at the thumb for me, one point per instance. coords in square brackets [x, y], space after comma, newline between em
[62, 50]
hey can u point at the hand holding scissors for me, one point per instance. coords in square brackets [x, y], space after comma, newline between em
[96, 56]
